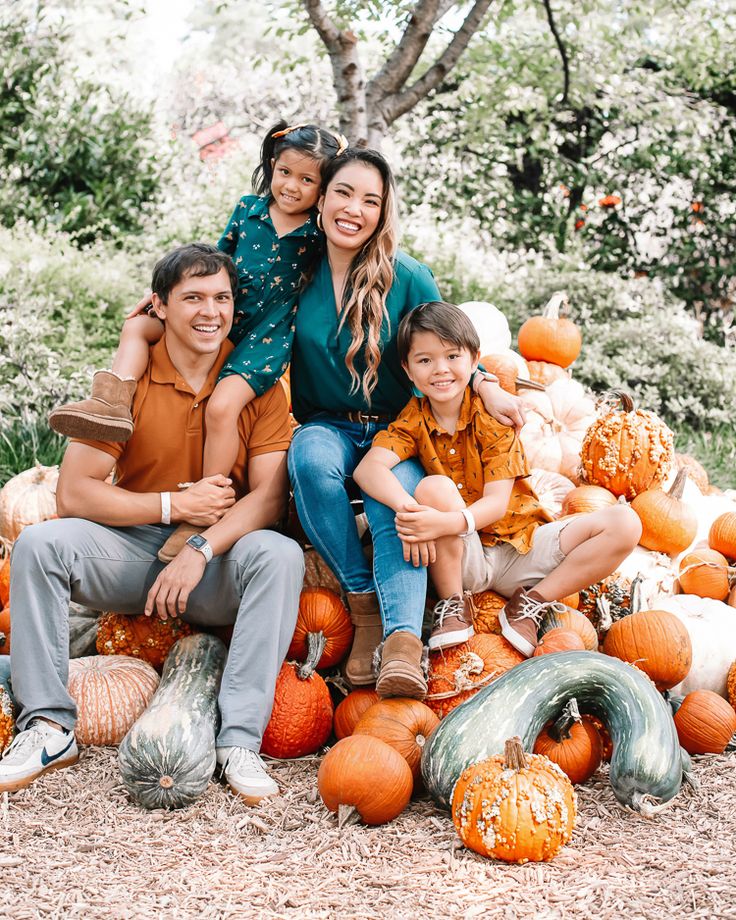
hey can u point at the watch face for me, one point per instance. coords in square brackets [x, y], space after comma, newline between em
[197, 541]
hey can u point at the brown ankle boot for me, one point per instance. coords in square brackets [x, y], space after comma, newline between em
[105, 416]
[401, 667]
[366, 616]
[172, 547]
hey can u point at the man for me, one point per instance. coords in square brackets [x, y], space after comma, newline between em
[102, 550]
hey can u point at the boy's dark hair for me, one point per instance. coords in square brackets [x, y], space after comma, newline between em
[316, 142]
[196, 259]
[445, 320]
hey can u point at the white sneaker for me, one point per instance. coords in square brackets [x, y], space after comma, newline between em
[39, 749]
[246, 774]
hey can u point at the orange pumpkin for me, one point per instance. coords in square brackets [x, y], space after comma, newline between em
[569, 619]
[559, 640]
[625, 450]
[110, 693]
[656, 642]
[5, 631]
[147, 638]
[404, 724]
[457, 673]
[572, 600]
[7, 719]
[350, 710]
[573, 743]
[505, 368]
[668, 524]
[323, 633]
[722, 536]
[5, 582]
[550, 337]
[695, 471]
[487, 607]
[583, 499]
[604, 735]
[545, 372]
[704, 572]
[705, 723]
[28, 498]
[301, 718]
[516, 807]
[731, 685]
[363, 777]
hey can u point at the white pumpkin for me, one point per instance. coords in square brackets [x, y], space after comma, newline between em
[550, 488]
[490, 324]
[26, 499]
[556, 421]
[712, 628]
[656, 571]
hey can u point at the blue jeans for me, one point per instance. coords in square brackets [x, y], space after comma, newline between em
[322, 457]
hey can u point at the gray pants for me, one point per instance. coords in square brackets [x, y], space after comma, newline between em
[255, 585]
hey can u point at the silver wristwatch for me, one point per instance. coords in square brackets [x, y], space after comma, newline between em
[198, 542]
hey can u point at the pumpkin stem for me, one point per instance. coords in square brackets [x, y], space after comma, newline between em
[523, 383]
[513, 755]
[316, 642]
[678, 486]
[605, 619]
[347, 815]
[559, 731]
[673, 700]
[614, 396]
[556, 301]
[635, 603]
[648, 805]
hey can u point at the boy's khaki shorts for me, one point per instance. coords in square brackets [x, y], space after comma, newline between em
[502, 569]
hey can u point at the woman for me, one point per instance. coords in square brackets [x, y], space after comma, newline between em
[347, 384]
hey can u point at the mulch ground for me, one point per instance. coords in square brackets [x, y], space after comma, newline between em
[74, 846]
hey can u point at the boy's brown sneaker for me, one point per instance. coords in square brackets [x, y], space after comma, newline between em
[453, 622]
[520, 619]
[105, 416]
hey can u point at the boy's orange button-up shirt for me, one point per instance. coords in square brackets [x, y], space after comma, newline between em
[167, 445]
[481, 450]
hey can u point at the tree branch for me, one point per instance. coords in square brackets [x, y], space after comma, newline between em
[399, 103]
[561, 49]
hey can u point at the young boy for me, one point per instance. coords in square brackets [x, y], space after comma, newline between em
[474, 519]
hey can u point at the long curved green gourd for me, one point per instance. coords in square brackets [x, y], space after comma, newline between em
[647, 762]
[168, 757]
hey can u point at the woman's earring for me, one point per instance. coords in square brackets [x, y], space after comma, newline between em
[319, 221]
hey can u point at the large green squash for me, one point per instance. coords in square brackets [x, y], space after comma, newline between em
[168, 756]
[646, 764]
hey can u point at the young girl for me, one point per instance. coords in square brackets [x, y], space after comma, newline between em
[273, 239]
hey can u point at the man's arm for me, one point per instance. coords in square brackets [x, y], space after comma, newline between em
[82, 492]
[261, 507]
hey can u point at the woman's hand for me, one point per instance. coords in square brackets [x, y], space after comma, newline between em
[504, 407]
[141, 307]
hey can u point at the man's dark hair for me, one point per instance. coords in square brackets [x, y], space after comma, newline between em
[196, 259]
[445, 320]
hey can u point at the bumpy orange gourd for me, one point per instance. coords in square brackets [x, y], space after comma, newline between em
[704, 572]
[583, 499]
[404, 724]
[7, 719]
[573, 743]
[363, 776]
[559, 640]
[28, 498]
[731, 685]
[722, 536]
[487, 606]
[147, 638]
[455, 674]
[301, 718]
[317, 574]
[566, 618]
[656, 642]
[516, 807]
[5, 631]
[111, 692]
[705, 723]
[349, 710]
[323, 633]
[625, 450]
[550, 337]
[5, 582]
[668, 523]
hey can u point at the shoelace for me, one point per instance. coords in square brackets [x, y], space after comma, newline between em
[244, 758]
[535, 610]
[25, 739]
[451, 606]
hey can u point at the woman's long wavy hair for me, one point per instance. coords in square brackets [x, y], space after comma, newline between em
[370, 275]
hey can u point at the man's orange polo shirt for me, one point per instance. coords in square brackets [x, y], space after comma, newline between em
[481, 450]
[167, 444]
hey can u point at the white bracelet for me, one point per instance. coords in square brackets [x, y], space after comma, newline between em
[165, 507]
[469, 523]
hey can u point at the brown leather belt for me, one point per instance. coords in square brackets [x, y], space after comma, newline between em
[364, 418]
